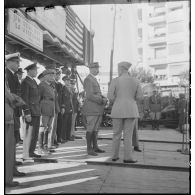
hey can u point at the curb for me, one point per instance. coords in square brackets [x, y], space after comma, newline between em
[142, 140]
[142, 166]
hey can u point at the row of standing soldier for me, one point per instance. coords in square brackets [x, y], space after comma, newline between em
[47, 108]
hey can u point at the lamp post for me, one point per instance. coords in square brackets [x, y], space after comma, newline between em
[112, 48]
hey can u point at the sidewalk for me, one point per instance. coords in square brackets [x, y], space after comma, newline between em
[160, 168]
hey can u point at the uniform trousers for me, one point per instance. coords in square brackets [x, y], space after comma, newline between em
[52, 134]
[135, 140]
[66, 126]
[45, 129]
[93, 122]
[31, 136]
[59, 127]
[9, 152]
[127, 126]
[74, 116]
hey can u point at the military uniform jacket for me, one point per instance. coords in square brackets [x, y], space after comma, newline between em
[47, 96]
[123, 92]
[30, 94]
[15, 87]
[66, 100]
[93, 103]
[58, 87]
[155, 103]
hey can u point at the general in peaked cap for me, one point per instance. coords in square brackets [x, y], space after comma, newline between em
[124, 65]
[94, 65]
[13, 56]
[31, 66]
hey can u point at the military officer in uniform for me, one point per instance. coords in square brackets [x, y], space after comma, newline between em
[12, 65]
[123, 93]
[155, 109]
[66, 110]
[30, 94]
[47, 105]
[92, 109]
[52, 136]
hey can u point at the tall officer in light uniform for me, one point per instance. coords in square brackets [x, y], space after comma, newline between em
[30, 94]
[123, 92]
[93, 108]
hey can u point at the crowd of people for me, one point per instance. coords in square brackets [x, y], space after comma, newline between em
[49, 111]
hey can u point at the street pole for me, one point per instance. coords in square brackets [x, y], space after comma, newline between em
[112, 48]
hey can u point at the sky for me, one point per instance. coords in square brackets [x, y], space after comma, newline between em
[125, 36]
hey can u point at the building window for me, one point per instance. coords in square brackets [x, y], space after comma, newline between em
[176, 48]
[140, 33]
[139, 15]
[175, 27]
[160, 52]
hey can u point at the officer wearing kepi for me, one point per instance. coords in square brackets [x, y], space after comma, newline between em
[93, 109]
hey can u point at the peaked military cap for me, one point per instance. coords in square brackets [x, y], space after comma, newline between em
[31, 66]
[94, 65]
[125, 65]
[13, 56]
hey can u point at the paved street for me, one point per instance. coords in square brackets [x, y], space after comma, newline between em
[160, 168]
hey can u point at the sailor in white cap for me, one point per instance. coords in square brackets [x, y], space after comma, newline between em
[123, 93]
[12, 62]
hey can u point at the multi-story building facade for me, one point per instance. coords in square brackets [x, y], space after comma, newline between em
[163, 41]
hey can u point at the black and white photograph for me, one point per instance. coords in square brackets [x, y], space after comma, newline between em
[97, 96]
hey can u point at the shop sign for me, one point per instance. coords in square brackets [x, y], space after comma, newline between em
[25, 30]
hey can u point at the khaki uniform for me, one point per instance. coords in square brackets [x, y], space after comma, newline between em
[123, 92]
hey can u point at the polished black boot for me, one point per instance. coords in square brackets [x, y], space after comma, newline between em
[94, 141]
[90, 150]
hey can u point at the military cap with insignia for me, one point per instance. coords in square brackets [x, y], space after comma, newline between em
[124, 65]
[13, 56]
[94, 65]
[31, 66]
[19, 71]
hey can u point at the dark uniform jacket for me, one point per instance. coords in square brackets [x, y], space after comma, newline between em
[30, 94]
[155, 103]
[47, 96]
[15, 88]
[58, 93]
[66, 101]
[93, 104]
